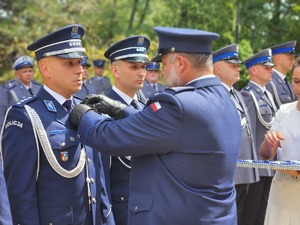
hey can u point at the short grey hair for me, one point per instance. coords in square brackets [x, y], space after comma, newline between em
[198, 61]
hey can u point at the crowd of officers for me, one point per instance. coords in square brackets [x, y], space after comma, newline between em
[256, 104]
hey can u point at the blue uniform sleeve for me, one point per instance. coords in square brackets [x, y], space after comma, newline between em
[20, 166]
[154, 130]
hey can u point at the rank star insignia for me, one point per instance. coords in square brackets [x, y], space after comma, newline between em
[64, 156]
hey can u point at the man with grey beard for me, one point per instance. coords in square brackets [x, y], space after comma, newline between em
[184, 143]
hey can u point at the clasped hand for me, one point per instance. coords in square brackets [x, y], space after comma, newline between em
[105, 105]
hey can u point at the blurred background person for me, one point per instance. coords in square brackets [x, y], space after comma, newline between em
[262, 110]
[5, 102]
[227, 68]
[151, 83]
[99, 84]
[283, 56]
[85, 90]
[23, 86]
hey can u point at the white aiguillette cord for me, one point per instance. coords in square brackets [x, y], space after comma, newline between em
[41, 133]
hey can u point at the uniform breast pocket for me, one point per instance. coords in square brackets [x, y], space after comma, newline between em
[56, 216]
[63, 139]
[140, 202]
[266, 112]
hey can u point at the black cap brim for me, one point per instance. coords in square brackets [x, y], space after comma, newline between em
[157, 58]
[233, 61]
[72, 55]
[268, 64]
[136, 59]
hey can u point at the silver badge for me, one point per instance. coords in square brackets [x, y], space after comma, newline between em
[50, 105]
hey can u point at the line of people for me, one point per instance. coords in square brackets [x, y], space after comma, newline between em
[160, 159]
[257, 104]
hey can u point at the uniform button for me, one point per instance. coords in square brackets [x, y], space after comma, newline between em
[94, 200]
[135, 208]
[92, 180]
[122, 199]
[50, 223]
[63, 144]
[89, 160]
[72, 139]
[78, 135]
[88, 180]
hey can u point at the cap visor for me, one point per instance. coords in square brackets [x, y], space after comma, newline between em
[234, 61]
[72, 55]
[268, 64]
[136, 59]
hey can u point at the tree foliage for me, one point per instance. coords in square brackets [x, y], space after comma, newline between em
[253, 24]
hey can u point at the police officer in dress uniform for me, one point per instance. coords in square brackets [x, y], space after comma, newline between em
[5, 101]
[129, 72]
[84, 91]
[151, 84]
[183, 147]
[51, 177]
[5, 214]
[227, 68]
[284, 57]
[262, 110]
[99, 84]
[23, 86]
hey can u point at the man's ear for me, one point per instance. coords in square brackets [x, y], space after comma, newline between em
[43, 67]
[181, 63]
[115, 71]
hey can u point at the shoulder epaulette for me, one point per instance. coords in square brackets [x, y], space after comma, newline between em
[25, 101]
[248, 88]
[10, 84]
[176, 90]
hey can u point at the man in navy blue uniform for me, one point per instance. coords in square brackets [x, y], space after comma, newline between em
[283, 56]
[99, 84]
[184, 143]
[51, 177]
[129, 73]
[262, 109]
[5, 215]
[23, 86]
[227, 68]
[151, 84]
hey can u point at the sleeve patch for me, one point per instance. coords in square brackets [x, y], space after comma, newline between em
[14, 123]
[155, 106]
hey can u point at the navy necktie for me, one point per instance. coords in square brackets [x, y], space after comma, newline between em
[68, 105]
[30, 91]
[288, 85]
[134, 103]
[154, 87]
[233, 94]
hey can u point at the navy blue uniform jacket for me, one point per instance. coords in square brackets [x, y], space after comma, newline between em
[184, 146]
[51, 198]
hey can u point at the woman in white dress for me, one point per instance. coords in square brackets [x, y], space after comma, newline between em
[284, 199]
